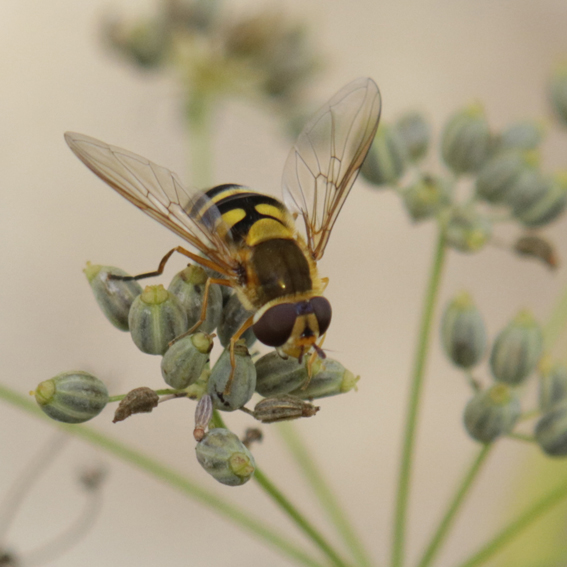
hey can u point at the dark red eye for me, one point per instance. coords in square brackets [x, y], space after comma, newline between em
[323, 313]
[276, 324]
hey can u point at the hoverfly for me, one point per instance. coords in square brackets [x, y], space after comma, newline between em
[250, 238]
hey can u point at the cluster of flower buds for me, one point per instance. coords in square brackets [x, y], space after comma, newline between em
[489, 176]
[216, 52]
[515, 354]
[178, 325]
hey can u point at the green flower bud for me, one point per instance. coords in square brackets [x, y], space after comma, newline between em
[551, 431]
[225, 458]
[547, 206]
[427, 197]
[525, 135]
[492, 413]
[114, 297]
[517, 350]
[558, 93]
[234, 314]
[156, 318]
[145, 44]
[415, 134]
[552, 383]
[243, 379]
[189, 287]
[467, 229]
[185, 360]
[283, 408]
[463, 332]
[538, 248]
[499, 174]
[329, 378]
[528, 188]
[277, 375]
[72, 397]
[466, 141]
[386, 160]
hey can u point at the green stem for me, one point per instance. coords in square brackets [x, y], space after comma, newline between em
[557, 321]
[173, 478]
[521, 437]
[514, 529]
[199, 116]
[413, 404]
[298, 518]
[163, 392]
[448, 519]
[323, 492]
[279, 498]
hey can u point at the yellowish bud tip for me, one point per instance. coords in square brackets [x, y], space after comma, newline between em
[154, 294]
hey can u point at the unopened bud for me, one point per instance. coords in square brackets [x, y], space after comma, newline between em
[156, 318]
[427, 197]
[72, 397]
[234, 315]
[517, 350]
[467, 229]
[492, 413]
[241, 387]
[283, 408]
[185, 360]
[466, 140]
[415, 133]
[225, 457]
[524, 135]
[551, 431]
[114, 297]
[547, 206]
[499, 175]
[139, 400]
[552, 383]
[386, 161]
[558, 93]
[189, 287]
[276, 375]
[329, 378]
[463, 332]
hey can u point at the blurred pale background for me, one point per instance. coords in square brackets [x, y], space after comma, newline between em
[434, 56]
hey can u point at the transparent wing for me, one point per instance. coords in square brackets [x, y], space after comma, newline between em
[159, 193]
[324, 162]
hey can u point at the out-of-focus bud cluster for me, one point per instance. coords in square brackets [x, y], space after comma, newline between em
[216, 52]
[483, 176]
[515, 354]
[178, 323]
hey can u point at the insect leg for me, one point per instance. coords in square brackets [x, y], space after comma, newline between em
[203, 314]
[244, 327]
[199, 259]
[324, 283]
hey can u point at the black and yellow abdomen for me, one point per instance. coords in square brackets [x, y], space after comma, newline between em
[261, 229]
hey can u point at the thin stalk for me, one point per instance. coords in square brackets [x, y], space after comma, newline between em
[402, 498]
[173, 478]
[448, 519]
[324, 493]
[557, 321]
[515, 528]
[199, 117]
[281, 500]
[298, 518]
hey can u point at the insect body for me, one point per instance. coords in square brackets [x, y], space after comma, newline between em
[251, 238]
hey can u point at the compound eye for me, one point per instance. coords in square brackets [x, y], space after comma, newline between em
[276, 324]
[323, 313]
